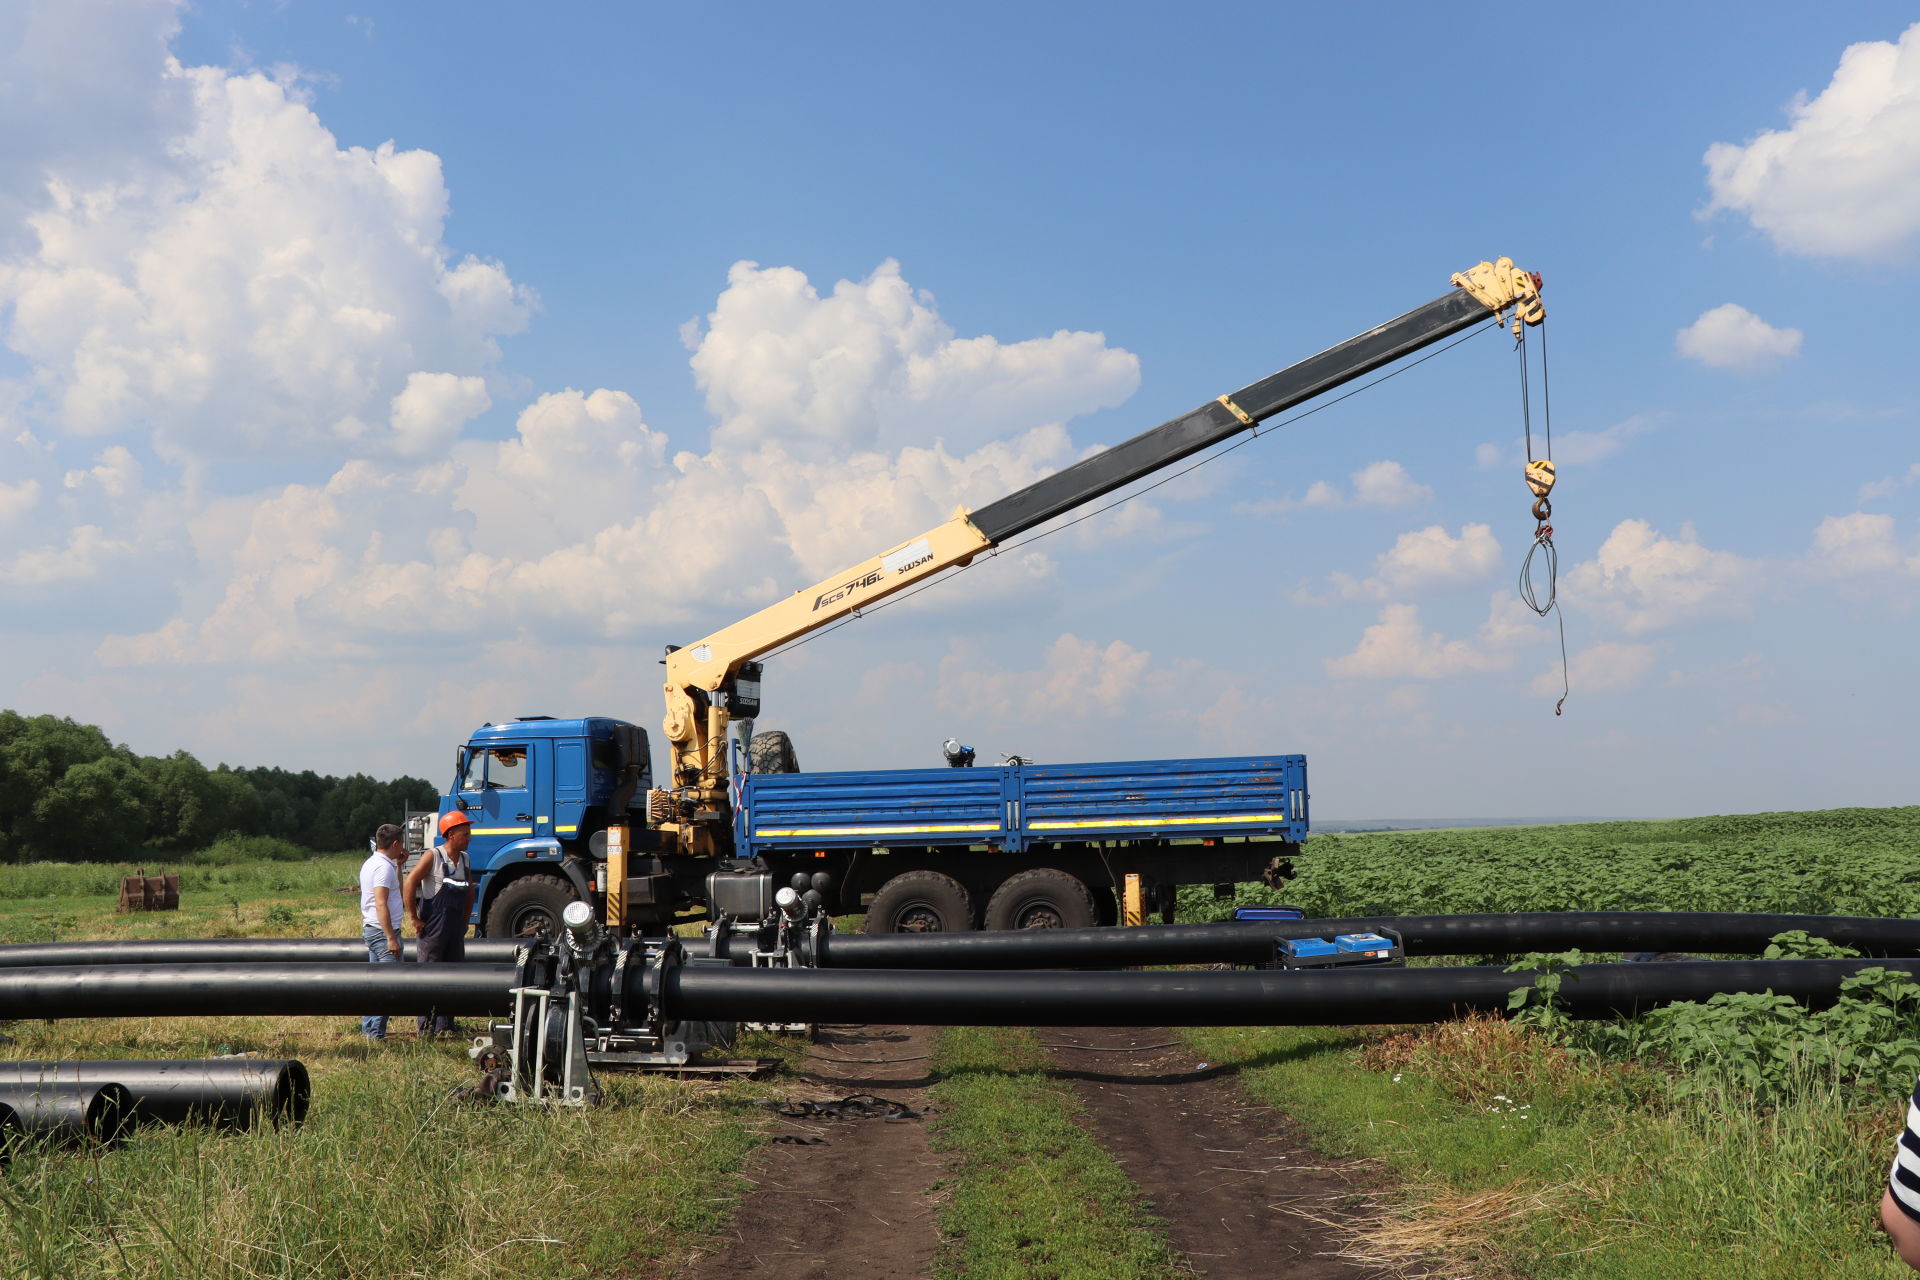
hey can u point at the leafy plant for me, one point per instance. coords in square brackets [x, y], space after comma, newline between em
[1538, 1004]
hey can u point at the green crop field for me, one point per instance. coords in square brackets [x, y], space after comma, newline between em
[1835, 862]
[1740, 1137]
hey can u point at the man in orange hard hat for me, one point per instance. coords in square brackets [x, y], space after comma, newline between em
[439, 897]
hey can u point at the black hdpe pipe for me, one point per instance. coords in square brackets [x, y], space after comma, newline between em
[1194, 999]
[717, 992]
[1250, 942]
[232, 1092]
[205, 990]
[170, 951]
[1247, 942]
[74, 1115]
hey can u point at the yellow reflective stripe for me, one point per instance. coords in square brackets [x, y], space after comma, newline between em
[565, 831]
[503, 831]
[1159, 822]
[871, 831]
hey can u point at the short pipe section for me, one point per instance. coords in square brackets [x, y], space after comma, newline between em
[73, 1115]
[230, 1092]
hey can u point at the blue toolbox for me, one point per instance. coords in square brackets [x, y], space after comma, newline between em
[1341, 951]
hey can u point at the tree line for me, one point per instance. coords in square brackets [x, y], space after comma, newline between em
[67, 793]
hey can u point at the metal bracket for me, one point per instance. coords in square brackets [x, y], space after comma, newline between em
[536, 1081]
[1500, 286]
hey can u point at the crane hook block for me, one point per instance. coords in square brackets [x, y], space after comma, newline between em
[1501, 285]
[1540, 477]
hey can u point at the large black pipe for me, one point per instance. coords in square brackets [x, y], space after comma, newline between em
[1229, 943]
[171, 951]
[1270, 998]
[1250, 942]
[721, 992]
[132, 991]
[235, 1092]
[74, 1115]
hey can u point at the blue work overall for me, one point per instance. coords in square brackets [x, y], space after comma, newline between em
[443, 932]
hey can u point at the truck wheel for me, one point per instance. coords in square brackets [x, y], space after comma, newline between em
[530, 907]
[772, 752]
[1043, 898]
[921, 902]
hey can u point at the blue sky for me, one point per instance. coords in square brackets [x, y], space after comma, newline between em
[371, 371]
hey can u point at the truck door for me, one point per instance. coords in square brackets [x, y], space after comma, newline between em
[497, 791]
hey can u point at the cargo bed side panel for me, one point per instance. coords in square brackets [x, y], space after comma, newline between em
[1263, 796]
[788, 811]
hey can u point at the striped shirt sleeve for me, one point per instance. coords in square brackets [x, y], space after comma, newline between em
[1903, 1179]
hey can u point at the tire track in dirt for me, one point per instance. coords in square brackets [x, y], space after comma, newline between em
[1222, 1171]
[859, 1201]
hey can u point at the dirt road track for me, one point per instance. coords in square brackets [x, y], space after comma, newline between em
[1222, 1171]
[846, 1198]
[840, 1198]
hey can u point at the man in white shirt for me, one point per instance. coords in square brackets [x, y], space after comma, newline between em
[381, 910]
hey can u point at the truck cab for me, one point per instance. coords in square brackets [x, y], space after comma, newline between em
[541, 793]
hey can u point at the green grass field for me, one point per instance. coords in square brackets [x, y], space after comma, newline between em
[1517, 1151]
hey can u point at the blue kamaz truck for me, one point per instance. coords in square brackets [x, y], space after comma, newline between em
[1002, 847]
[572, 809]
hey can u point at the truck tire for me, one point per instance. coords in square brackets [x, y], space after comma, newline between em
[1042, 898]
[921, 902]
[772, 752]
[530, 907]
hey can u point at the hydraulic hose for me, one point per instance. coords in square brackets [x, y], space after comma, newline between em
[74, 1115]
[172, 951]
[1250, 942]
[1262, 998]
[231, 1092]
[206, 990]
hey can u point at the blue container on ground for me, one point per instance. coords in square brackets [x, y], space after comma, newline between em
[1268, 913]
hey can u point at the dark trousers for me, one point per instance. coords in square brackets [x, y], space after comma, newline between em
[443, 939]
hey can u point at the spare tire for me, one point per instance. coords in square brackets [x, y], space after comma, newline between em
[772, 752]
[1042, 898]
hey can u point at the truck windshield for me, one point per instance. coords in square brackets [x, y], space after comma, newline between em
[495, 767]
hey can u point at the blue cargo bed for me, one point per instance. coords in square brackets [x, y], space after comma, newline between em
[1012, 807]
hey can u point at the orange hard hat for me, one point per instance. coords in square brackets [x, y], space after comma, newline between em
[448, 821]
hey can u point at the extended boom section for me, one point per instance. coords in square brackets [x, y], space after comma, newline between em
[712, 681]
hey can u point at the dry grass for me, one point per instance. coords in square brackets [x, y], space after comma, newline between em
[1481, 1054]
[1444, 1235]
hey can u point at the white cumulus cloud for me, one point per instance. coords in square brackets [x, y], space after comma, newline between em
[1644, 581]
[1399, 647]
[1860, 544]
[1731, 337]
[1843, 179]
[872, 365]
[244, 285]
[1383, 485]
[585, 523]
[1600, 668]
[1078, 679]
[1420, 562]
